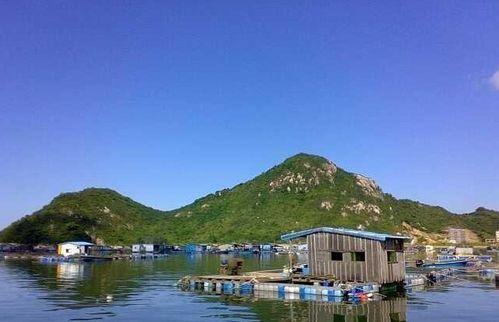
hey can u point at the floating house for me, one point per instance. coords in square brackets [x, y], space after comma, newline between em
[266, 248]
[194, 248]
[74, 248]
[464, 251]
[354, 255]
[13, 248]
[44, 249]
[225, 248]
[148, 248]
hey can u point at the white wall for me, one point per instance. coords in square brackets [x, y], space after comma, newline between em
[70, 249]
[147, 248]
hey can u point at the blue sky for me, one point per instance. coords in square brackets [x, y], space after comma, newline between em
[166, 101]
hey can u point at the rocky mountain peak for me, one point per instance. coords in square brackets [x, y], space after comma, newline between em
[369, 186]
[301, 173]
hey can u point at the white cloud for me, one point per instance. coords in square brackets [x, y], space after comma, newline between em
[494, 80]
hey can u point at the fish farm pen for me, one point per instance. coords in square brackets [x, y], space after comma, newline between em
[341, 263]
[283, 290]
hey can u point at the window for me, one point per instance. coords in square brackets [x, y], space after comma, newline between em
[396, 317]
[394, 244]
[392, 256]
[338, 318]
[336, 256]
[67, 250]
[361, 318]
[358, 256]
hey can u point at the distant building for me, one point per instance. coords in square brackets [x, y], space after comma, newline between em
[194, 248]
[13, 248]
[74, 248]
[459, 236]
[354, 255]
[464, 251]
[497, 236]
[44, 249]
[148, 248]
[225, 248]
[266, 248]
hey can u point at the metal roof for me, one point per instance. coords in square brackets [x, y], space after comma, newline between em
[343, 231]
[78, 243]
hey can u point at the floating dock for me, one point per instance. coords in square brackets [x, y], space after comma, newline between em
[279, 284]
[80, 258]
[302, 291]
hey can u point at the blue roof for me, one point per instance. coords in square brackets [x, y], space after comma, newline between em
[343, 231]
[79, 243]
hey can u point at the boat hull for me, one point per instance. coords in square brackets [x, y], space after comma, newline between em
[446, 264]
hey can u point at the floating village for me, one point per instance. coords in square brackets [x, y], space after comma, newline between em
[323, 264]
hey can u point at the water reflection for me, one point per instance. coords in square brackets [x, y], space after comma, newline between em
[270, 308]
[145, 289]
[76, 285]
[73, 285]
[125, 283]
[71, 271]
[388, 310]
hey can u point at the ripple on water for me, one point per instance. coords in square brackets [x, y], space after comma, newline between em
[133, 291]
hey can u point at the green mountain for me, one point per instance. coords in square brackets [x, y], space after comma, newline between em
[302, 192]
[91, 214]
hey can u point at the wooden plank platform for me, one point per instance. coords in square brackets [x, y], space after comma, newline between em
[258, 276]
[266, 276]
[243, 278]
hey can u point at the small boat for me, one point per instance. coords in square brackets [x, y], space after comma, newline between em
[484, 258]
[446, 263]
[480, 258]
[412, 280]
[488, 273]
[447, 257]
[435, 277]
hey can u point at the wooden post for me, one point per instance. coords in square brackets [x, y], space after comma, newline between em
[290, 255]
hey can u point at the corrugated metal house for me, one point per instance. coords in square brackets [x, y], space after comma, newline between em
[354, 255]
[149, 248]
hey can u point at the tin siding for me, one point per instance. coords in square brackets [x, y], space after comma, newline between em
[375, 268]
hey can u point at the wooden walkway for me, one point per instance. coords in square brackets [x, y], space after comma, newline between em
[260, 276]
[266, 276]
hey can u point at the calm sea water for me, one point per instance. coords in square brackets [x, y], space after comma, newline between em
[144, 290]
